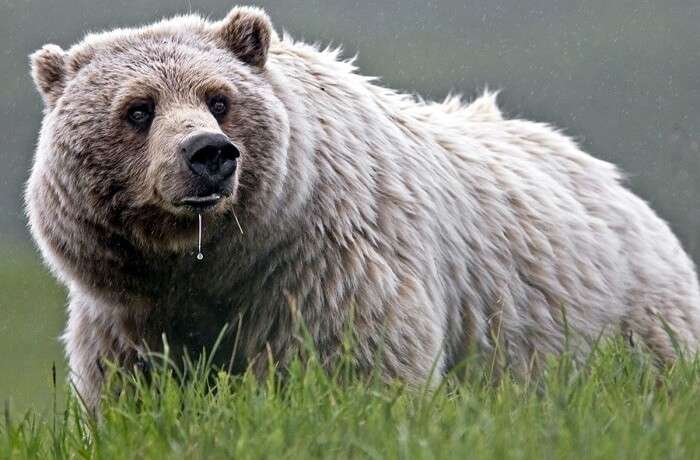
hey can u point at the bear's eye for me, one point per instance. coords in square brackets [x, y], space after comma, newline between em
[218, 105]
[140, 113]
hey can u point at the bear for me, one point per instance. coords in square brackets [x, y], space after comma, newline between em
[200, 180]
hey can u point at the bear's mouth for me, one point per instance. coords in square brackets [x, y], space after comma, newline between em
[200, 203]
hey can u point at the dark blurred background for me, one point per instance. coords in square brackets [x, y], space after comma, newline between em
[622, 76]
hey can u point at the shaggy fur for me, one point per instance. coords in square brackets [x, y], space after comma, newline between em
[434, 227]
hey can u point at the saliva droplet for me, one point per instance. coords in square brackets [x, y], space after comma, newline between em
[200, 256]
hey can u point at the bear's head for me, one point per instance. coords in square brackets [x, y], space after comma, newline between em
[146, 128]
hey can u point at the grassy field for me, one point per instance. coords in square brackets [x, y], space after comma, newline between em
[616, 405]
[32, 309]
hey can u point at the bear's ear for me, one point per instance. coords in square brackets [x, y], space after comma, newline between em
[247, 32]
[49, 72]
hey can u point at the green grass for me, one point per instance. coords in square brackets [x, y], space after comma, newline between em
[617, 405]
[32, 311]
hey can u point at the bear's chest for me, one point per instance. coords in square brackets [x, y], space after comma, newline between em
[193, 323]
[200, 306]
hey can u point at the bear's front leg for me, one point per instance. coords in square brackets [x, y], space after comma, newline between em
[92, 338]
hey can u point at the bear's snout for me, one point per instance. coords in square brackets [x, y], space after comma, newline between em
[211, 157]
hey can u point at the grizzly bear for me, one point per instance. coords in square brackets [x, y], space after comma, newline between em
[319, 197]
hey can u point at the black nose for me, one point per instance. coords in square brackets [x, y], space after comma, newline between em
[211, 156]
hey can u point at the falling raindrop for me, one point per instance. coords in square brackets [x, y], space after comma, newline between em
[237, 223]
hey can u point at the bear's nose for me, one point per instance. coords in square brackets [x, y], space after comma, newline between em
[211, 156]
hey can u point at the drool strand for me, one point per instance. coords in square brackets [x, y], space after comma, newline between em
[200, 256]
